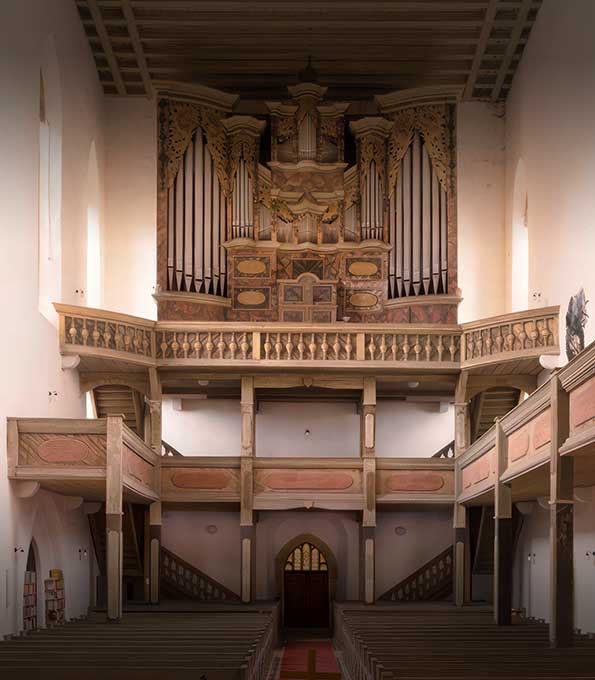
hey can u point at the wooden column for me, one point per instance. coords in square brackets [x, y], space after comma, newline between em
[368, 528]
[155, 411]
[113, 516]
[247, 452]
[155, 523]
[461, 566]
[561, 523]
[503, 557]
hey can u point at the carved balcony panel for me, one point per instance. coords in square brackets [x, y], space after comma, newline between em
[308, 346]
[428, 346]
[209, 345]
[511, 336]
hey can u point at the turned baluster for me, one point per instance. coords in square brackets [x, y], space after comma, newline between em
[118, 337]
[96, 334]
[289, 346]
[545, 333]
[372, 348]
[406, 347]
[534, 334]
[244, 346]
[453, 347]
[72, 332]
[85, 332]
[233, 346]
[312, 347]
[164, 347]
[127, 340]
[301, 347]
[440, 348]
[383, 347]
[185, 346]
[210, 346]
[324, 347]
[267, 347]
[394, 348]
[175, 346]
[336, 346]
[278, 347]
[348, 347]
[107, 336]
[417, 348]
[428, 347]
[197, 346]
[221, 346]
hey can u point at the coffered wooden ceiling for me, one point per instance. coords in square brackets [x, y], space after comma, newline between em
[359, 48]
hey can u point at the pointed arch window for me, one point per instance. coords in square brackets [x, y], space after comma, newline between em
[306, 557]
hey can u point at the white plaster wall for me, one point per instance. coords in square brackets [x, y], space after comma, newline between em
[532, 576]
[212, 427]
[412, 430]
[340, 532]
[480, 210]
[218, 555]
[428, 533]
[131, 203]
[549, 125]
[28, 343]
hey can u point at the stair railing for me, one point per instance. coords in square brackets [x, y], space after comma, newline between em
[167, 450]
[427, 583]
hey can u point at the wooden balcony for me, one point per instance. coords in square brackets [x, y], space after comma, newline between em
[109, 341]
[69, 456]
[527, 440]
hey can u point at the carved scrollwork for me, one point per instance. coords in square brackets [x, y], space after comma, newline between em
[178, 122]
[330, 128]
[286, 128]
[432, 122]
[242, 146]
[372, 148]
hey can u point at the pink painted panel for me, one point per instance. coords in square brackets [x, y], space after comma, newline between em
[201, 479]
[138, 468]
[518, 444]
[308, 480]
[415, 481]
[479, 470]
[542, 430]
[63, 450]
[582, 404]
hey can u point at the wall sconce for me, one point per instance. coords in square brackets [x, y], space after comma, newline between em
[82, 553]
[19, 550]
[307, 433]
[531, 558]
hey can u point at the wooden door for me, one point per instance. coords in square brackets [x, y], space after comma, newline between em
[306, 599]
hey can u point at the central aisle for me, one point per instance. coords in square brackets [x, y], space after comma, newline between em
[295, 657]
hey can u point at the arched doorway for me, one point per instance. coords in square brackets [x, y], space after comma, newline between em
[30, 591]
[306, 571]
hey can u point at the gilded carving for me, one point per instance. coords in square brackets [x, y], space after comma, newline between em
[432, 121]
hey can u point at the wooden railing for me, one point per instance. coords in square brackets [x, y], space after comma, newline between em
[447, 451]
[191, 582]
[430, 582]
[168, 451]
[98, 333]
[510, 336]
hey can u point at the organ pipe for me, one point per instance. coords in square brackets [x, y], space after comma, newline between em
[196, 224]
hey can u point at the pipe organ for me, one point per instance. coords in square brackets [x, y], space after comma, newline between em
[196, 223]
[302, 235]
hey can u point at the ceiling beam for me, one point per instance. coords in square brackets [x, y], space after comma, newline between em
[107, 46]
[511, 47]
[486, 30]
[136, 43]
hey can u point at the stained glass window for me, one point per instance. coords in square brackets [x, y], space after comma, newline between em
[306, 557]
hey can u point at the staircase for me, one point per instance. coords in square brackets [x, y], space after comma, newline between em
[433, 581]
[489, 405]
[120, 400]
[182, 581]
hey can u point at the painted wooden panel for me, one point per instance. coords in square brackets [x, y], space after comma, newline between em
[482, 470]
[582, 405]
[201, 479]
[530, 438]
[195, 484]
[414, 482]
[307, 480]
[62, 450]
[138, 469]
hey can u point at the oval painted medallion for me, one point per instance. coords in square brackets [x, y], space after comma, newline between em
[251, 267]
[308, 480]
[363, 300]
[363, 268]
[251, 298]
[415, 481]
[63, 450]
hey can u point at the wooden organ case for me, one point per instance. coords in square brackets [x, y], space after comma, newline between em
[304, 236]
